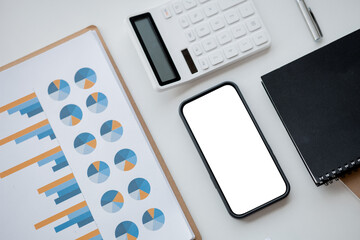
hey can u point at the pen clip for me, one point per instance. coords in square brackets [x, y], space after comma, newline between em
[316, 25]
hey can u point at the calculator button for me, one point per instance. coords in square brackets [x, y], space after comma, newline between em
[188, 4]
[209, 44]
[190, 35]
[184, 22]
[225, 4]
[231, 51]
[166, 12]
[217, 23]
[211, 9]
[202, 30]
[178, 8]
[216, 58]
[224, 37]
[197, 49]
[203, 63]
[246, 10]
[238, 31]
[245, 44]
[231, 16]
[253, 24]
[196, 16]
[260, 38]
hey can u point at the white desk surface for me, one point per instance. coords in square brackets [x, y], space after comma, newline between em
[308, 212]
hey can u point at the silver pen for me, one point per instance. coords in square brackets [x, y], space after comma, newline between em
[310, 20]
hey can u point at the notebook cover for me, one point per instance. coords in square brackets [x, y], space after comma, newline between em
[318, 100]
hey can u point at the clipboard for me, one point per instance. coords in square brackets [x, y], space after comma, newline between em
[352, 182]
[135, 108]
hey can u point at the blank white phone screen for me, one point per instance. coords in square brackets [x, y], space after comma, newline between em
[234, 150]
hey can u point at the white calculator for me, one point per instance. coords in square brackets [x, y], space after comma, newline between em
[183, 40]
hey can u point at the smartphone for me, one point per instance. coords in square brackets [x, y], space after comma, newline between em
[235, 152]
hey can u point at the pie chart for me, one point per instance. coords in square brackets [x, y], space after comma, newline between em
[97, 102]
[112, 201]
[98, 172]
[71, 115]
[126, 231]
[85, 143]
[153, 219]
[59, 90]
[139, 189]
[85, 78]
[111, 131]
[125, 159]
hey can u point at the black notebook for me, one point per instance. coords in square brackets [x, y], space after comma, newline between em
[318, 100]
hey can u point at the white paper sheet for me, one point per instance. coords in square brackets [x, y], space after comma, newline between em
[21, 203]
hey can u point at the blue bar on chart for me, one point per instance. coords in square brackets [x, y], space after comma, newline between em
[65, 187]
[80, 217]
[68, 193]
[78, 214]
[59, 159]
[60, 163]
[28, 105]
[98, 237]
[93, 235]
[41, 133]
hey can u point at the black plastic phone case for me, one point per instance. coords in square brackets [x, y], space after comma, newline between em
[217, 186]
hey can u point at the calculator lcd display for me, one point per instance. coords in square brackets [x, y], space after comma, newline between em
[155, 49]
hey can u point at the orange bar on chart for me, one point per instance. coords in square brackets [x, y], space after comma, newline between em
[23, 132]
[60, 215]
[30, 162]
[90, 235]
[56, 183]
[17, 102]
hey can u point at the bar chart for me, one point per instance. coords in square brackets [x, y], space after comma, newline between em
[78, 214]
[28, 105]
[55, 154]
[65, 187]
[41, 130]
[60, 188]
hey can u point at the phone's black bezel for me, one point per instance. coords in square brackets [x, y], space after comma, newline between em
[206, 163]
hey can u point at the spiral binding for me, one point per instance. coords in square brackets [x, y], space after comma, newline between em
[329, 177]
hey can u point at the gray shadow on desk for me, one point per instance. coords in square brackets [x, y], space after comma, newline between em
[267, 210]
[337, 187]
